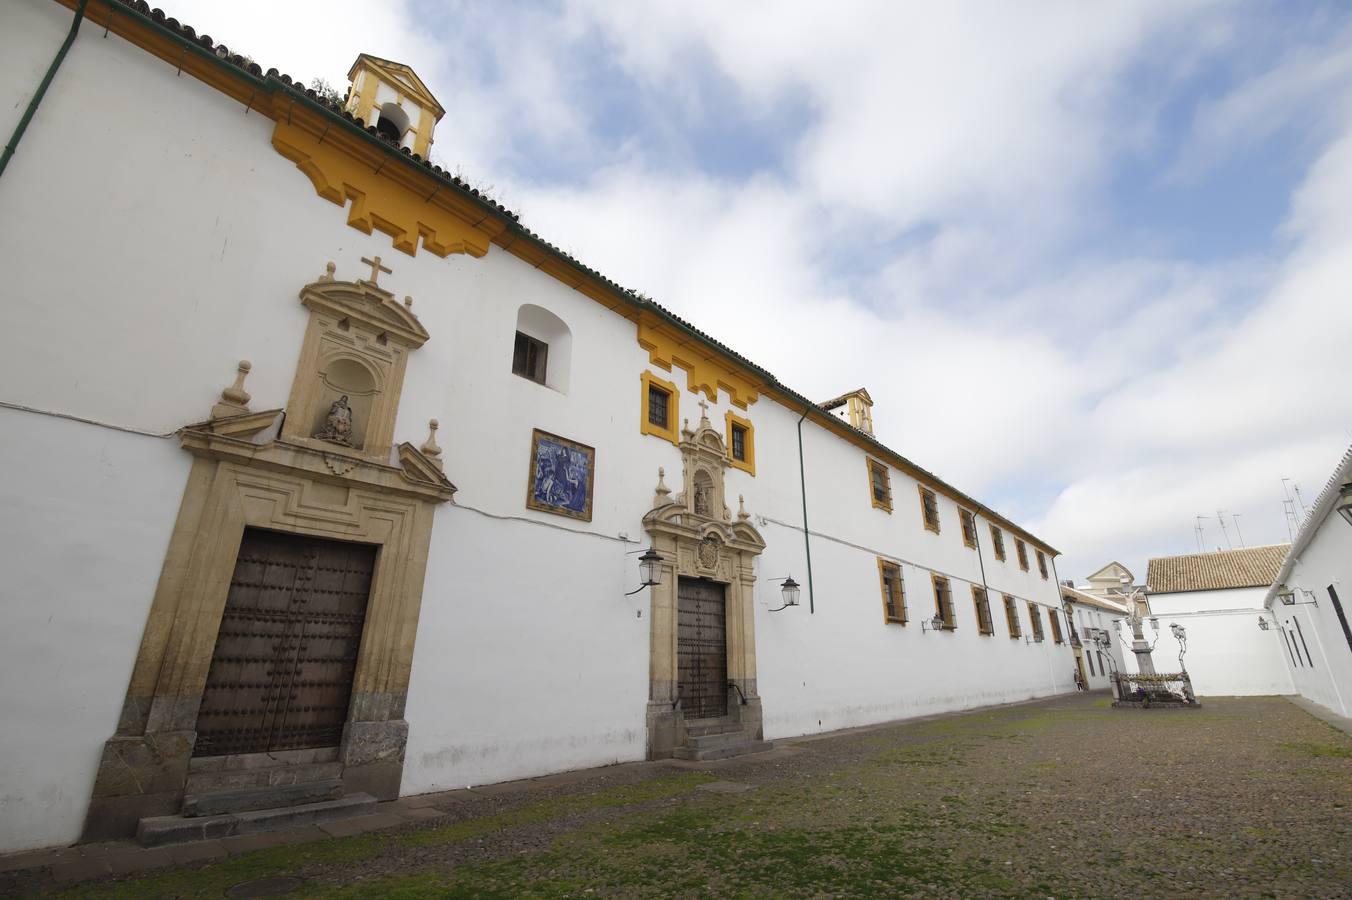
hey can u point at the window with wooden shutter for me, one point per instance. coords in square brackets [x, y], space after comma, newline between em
[880, 485]
[894, 592]
[529, 358]
[968, 527]
[1042, 564]
[1035, 619]
[1056, 625]
[998, 543]
[943, 602]
[1022, 550]
[929, 509]
[1012, 617]
[983, 610]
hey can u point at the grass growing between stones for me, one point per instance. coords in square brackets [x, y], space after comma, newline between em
[1068, 798]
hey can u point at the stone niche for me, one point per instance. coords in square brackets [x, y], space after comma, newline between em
[698, 536]
[306, 470]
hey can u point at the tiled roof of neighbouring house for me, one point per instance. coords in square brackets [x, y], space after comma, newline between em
[1251, 567]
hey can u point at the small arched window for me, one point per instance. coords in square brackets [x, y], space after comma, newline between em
[543, 347]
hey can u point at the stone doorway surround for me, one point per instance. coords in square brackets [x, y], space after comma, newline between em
[271, 470]
[698, 537]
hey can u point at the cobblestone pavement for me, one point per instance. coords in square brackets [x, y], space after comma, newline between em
[1061, 798]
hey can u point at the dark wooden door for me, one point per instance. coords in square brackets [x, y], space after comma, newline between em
[281, 674]
[702, 648]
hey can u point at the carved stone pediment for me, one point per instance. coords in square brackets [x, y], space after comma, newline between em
[351, 368]
[246, 440]
[367, 304]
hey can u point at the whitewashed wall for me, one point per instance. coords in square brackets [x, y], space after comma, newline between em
[1326, 675]
[1228, 654]
[152, 244]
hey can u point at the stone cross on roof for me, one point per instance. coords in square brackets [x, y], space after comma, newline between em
[376, 269]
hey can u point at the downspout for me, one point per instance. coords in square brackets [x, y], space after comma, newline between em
[42, 88]
[807, 539]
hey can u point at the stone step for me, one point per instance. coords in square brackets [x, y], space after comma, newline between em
[716, 739]
[157, 831]
[728, 752]
[268, 797]
[210, 782]
[711, 726]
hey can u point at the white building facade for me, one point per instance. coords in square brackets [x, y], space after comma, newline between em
[1310, 600]
[1218, 599]
[170, 212]
[1096, 625]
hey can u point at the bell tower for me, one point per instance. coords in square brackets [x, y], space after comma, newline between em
[391, 97]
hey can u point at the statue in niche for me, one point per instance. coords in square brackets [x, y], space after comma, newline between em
[338, 423]
[703, 490]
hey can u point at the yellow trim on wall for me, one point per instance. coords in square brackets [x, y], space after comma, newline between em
[885, 504]
[748, 464]
[672, 431]
[900, 618]
[924, 520]
[705, 374]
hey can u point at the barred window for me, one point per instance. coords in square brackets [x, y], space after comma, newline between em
[1036, 620]
[880, 483]
[894, 592]
[998, 543]
[739, 443]
[968, 527]
[658, 406]
[1012, 617]
[1042, 563]
[1022, 550]
[943, 601]
[929, 509]
[983, 610]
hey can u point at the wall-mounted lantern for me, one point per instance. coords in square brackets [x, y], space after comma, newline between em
[934, 624]
[788, 591]
[649, 569]
[1288, 598]
[1344, 506]
[1263, 623]
[1155, 623]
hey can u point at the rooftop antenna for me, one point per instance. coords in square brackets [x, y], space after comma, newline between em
[1289, 510]
[1304, 513]
[1220, 517]
[1236, 516]
[1197, 530]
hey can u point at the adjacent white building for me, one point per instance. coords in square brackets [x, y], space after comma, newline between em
[1310, 599]
[1218, 599]
[398, 550]
[1096, 628]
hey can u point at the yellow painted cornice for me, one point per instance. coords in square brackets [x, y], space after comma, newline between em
[705, 372]
[393, 199]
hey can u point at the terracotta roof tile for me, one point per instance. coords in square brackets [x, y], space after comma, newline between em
[1251, 567]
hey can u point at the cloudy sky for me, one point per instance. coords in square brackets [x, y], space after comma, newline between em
[1093, 261]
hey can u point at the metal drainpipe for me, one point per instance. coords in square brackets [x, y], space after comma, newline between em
[807, 540]
[42, 88]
